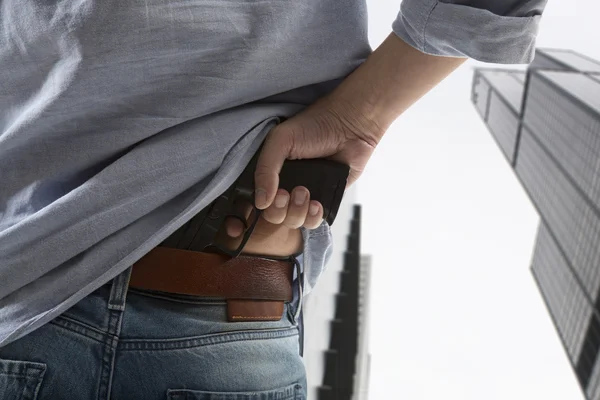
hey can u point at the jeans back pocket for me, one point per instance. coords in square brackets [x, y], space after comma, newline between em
[292, 392]
[20, 380]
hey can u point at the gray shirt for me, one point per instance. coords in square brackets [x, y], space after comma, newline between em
[120, 120]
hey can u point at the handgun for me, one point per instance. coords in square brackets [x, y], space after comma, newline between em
[325, 179]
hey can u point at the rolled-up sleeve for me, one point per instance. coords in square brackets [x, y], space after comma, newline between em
[495, 31]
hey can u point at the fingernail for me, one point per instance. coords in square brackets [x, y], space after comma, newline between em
[261, 197]
[280, 201]
[313, 210]
[299, 197]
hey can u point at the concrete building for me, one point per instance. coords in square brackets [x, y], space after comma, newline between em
[336, 316]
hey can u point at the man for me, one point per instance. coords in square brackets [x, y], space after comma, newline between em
[122, 120]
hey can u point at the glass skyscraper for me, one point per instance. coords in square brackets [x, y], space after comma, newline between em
[546, 121]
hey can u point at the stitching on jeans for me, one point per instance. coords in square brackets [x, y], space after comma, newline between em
[206, 340]
[78, 328]
[257, 317]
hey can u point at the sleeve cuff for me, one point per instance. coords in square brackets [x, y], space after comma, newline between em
[452, 30]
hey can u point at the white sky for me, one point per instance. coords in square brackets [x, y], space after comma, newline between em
[455, 313]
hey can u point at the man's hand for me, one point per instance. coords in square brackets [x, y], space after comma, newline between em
[347, 125]
[344, 126]
[326, 129]
[317, 132]
[266, 239]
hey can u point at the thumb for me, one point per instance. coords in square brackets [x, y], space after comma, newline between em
[275, 151]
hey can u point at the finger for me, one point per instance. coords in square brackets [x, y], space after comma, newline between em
[233, 226]
[297, 208]
[276, 149]
[277, 211]
[314, 216]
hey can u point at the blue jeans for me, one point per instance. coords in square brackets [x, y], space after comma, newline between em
[120, 343]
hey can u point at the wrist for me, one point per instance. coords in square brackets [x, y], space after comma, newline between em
[392, 78]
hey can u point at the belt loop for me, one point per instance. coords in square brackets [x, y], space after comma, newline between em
[118, 291]
[300, 277]
[298, 314]
[297, 290]
[301, 333]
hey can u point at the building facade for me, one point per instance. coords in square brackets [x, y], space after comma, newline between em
[336, 350]
[546, 121]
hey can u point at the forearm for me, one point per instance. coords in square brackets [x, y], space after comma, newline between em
[393, 78]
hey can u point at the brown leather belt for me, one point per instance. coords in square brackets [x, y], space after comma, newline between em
[255, 288]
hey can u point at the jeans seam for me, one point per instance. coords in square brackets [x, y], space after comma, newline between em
[40, 378]
[290, 392]
[19, 376]
[206, 340]
[111, 343]
[79, 328]
[116, 307]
